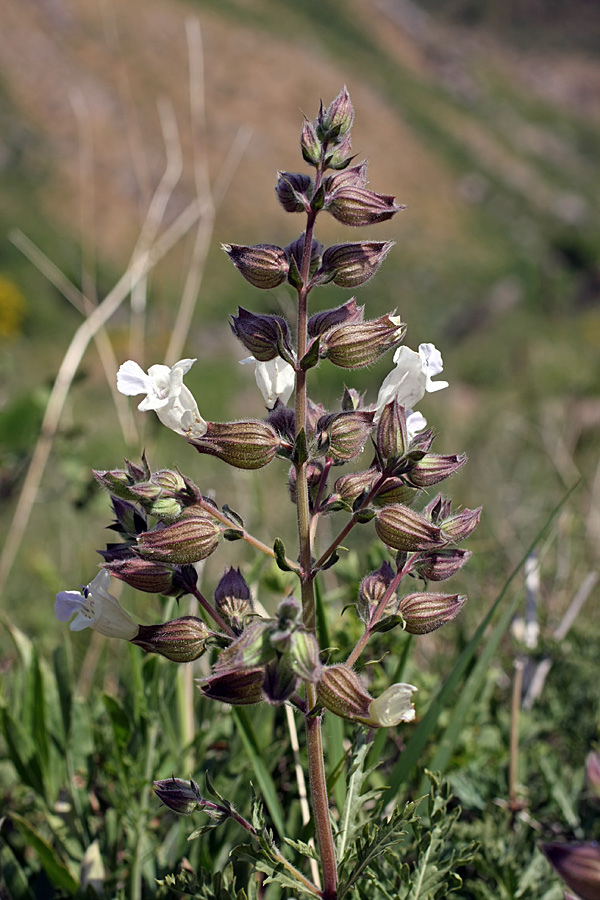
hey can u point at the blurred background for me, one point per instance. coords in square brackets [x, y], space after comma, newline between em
[482, 117]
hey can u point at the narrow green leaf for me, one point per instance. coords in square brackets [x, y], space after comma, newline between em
[57, 872]
[119, 720]
[21, 754]
[300, 448]
[13, 877]
[415, 746]
[65, 687]
[39, 721]
[263, 776]
[279, 551]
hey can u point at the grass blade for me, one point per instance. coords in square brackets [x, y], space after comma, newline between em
[263, 776]
[415, 746]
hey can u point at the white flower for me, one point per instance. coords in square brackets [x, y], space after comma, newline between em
[275, 379]
[411, 378]
[393, 706]
[166, 394]
[415, 423]
[95, 608]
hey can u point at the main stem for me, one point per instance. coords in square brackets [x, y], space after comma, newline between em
[314, 740]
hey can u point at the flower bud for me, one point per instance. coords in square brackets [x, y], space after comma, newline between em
[437, 565]
[392, 436]
[182, 797]
[295, 255]
[347, 434]
[252, 648]
[434, 467]
[350, 265]
[279, 681]
[310, 144]
[357, 345]
[458, 526]
[404, 529]
[372, 591]
[147, 575]
[239, 687]
[341, 691]
[294, 191]
[347, 314]
[261, 334]
[438, 509]
[357, 206]
[393, 706]
[264, 266]
[180, 640]
[355, 176]
[395, 490]
[117, 482]
[352, 399]
[190, 539]
[303, 656]
[337, 119]
[426, 612]
[351, 486]
[172, 484]
[339, 156]
[245, 445]
[233, 600]
[578, 865]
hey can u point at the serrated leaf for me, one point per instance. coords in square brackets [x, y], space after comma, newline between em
[352, 814]
[304, 849]
[275, 872]
[374, 841]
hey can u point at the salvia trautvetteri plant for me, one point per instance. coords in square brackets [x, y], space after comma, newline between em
[167, 525]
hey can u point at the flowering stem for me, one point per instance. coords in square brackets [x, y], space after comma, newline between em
[393, 587]
[314, 740]
[208, 608]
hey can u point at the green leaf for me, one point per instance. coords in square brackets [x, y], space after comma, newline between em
[22, 754]
[119, 720]
[230, 534]
[311, 357]
[280, 557]
[14, 879]
[300, 448]
[263, 776]
[376, 838]
[352, 814]
[276, 872]
[232, 514]
[57, 872]
[65, 687]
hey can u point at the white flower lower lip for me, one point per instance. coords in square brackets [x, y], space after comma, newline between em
[412, 378]
[166, 394]
[95, 608]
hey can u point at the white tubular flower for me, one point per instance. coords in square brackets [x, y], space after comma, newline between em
[411, 378]
[393, 706]
[95, 608]
[275, 378]
[166, 394]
